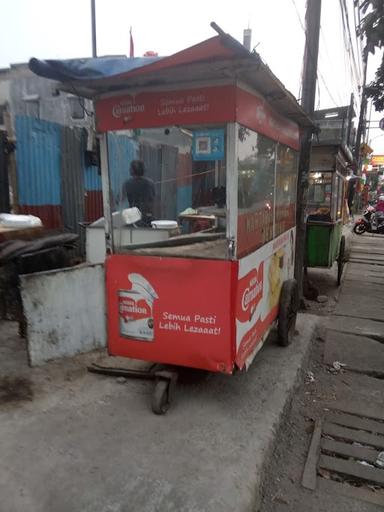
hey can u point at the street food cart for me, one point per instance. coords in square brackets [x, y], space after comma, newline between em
[209, 122]
[325, 242]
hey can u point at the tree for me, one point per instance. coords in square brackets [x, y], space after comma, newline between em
[372, 26]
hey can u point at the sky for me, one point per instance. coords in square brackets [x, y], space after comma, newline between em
[62, 29]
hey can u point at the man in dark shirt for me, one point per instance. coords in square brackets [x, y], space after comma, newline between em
[139, 190]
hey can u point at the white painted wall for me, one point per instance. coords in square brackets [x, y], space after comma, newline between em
[65, 312]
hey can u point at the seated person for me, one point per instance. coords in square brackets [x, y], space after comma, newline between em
[140, 191]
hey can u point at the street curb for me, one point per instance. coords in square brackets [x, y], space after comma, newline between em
[280, 423]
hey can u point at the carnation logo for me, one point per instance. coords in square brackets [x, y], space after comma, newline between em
[127, 107]
[250, 292]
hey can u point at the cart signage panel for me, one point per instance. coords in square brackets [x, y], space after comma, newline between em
[153, 109]
[171, 310]
[261, 276]
[256, 114]
[254, 228]
[208, 145]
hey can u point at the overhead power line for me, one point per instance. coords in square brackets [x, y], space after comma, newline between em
[348, 41]
[319, 74]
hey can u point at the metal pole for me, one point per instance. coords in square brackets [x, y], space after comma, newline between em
[363, 108]
[106, 188]
[93, 13]
[312, 19]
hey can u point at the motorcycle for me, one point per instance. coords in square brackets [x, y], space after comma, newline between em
[370, 222]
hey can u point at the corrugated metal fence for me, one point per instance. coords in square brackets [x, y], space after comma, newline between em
[38, 169]
[55, 184]
[4, 182]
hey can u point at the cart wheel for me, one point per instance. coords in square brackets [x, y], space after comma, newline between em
[287, 312]
[160, 397]
[341, 260]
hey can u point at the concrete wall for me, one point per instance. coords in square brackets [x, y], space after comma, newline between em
[64, 311]
[19, 86]
[54, 106]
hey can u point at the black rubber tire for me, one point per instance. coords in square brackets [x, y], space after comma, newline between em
[287, 312]
[359, 229]
[160, 398]
[340, 260]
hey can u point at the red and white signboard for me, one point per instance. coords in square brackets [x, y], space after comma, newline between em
[260, 278]
[255, 113]
[206, 105]
[255, 227]
[206, 314]
[171, 310]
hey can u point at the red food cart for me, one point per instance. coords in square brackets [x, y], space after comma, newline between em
[219, 136]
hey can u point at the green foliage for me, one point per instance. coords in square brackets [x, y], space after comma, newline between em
[372, 26]
[375, 89]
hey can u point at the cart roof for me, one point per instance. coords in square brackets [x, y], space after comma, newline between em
[220, 57]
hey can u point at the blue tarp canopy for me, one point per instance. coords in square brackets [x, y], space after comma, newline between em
[88, 69]
[217, 58]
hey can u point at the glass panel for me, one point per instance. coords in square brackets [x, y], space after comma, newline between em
[286, 182]
[256, 164]
[176, 178]
[319, 196]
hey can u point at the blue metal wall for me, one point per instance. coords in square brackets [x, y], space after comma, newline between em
[38, 161]
[121, 151]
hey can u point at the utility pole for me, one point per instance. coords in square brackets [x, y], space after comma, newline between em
[312, 31]
[93, 14]
[363, 109]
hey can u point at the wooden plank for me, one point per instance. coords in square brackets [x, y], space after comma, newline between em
[352, 468]
[357, 493]
[350, 450]
[353, 435]
[310, 470]
[347, 420]
[369, 409]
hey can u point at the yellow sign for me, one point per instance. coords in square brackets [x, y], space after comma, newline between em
[377, 160]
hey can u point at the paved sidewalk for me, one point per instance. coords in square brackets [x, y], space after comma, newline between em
[348, 400]
[86, 443]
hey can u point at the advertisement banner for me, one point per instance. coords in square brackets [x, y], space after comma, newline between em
[152, 109]
[260, 278]
[377, 160]
[254, 229]
[255, 113]
[171, 310]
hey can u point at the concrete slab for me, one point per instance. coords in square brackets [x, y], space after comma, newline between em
[364, 273]
[95, 446]
[65, 312]
[357, 326]
[359, 353]
[357, 392]
[350, 303]
[370, 260]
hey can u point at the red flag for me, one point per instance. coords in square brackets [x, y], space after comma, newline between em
[131, 45]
